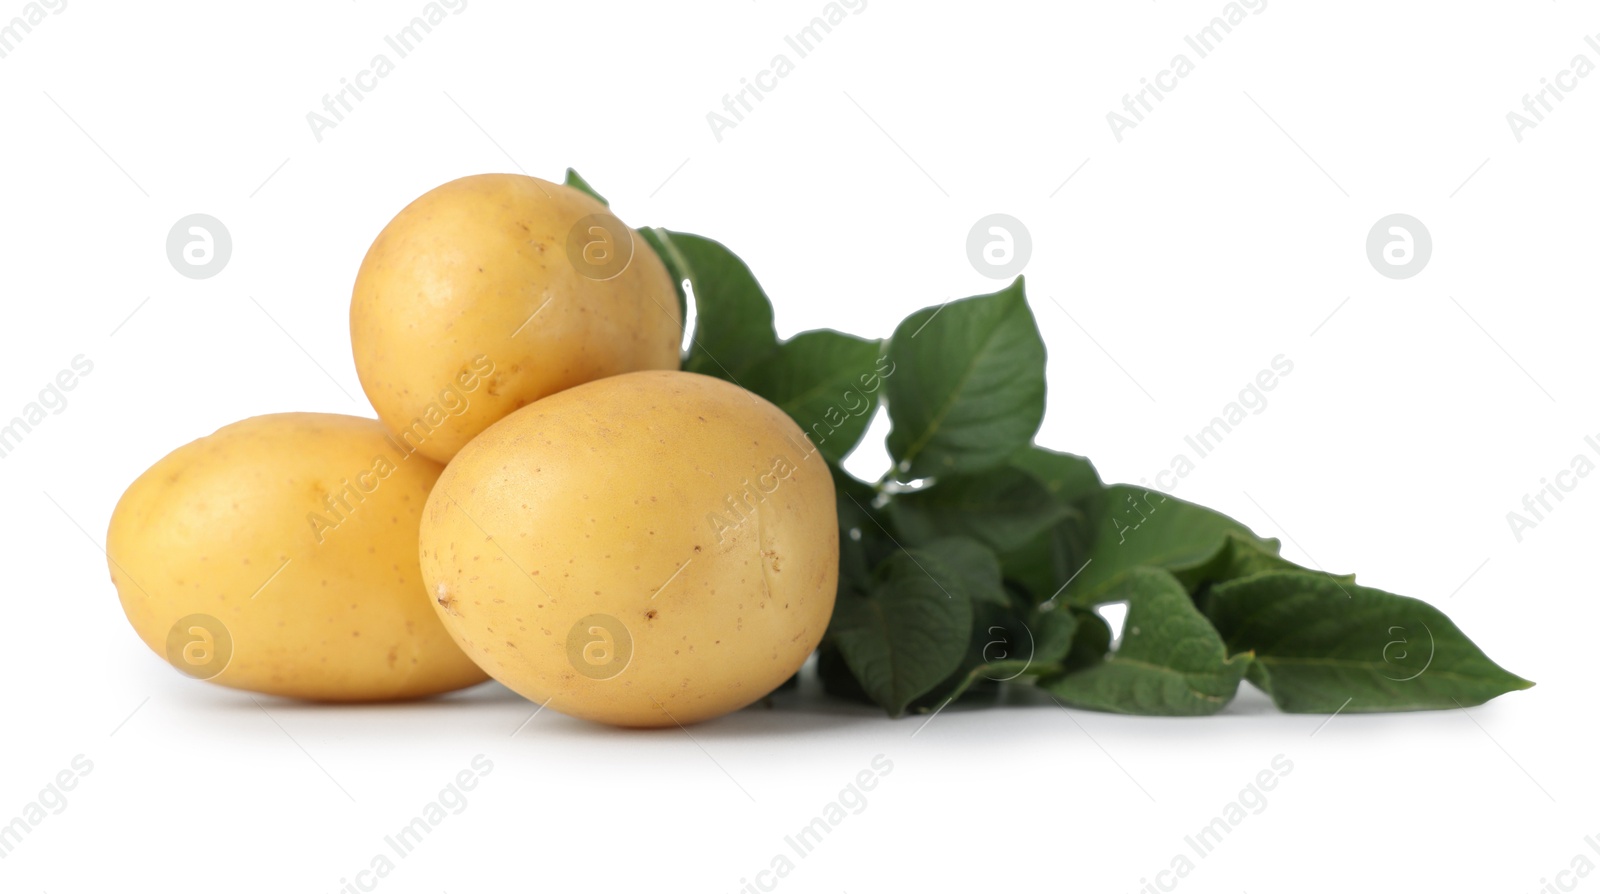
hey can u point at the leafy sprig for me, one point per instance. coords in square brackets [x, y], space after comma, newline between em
[979, 558]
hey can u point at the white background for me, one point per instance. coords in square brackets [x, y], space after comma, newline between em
[1226, 229]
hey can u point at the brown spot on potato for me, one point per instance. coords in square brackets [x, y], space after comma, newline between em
[446, 599]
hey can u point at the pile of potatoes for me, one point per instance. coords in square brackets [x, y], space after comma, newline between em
[542, 498]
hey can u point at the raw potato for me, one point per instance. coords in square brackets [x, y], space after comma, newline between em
[298, 533]
[493, 291]
[645, 550]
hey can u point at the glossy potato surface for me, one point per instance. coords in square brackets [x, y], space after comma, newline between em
[279, 555]
[493, 291]
[645, 550]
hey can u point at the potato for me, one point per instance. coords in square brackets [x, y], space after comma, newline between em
[644, 550]
[492, 291]
[279, 555]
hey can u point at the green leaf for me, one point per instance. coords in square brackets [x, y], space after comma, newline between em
[863, 541]
[1236, 557]
[1090, 643]
[1170, 660]
[733, 319]
[576, 181]
[968, 389]
[1004, 508]
[908, 634]
[1047, 561]
[1013, 652]
[1066, 476]
[828, 382]
[1322, 644]
[677, 265]
[1135, 528]
[975, 567]
[1044, 565]
[1054, 630]
[991, 630]
[836, 676]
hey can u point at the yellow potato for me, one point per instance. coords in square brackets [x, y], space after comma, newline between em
[279, 555]
[644, 550]
[491, 292]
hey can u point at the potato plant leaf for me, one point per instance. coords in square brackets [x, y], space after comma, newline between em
[968, 391]
[1170, 660]
[1044, 564]
[1004, 508]
[837, 678]
[1322, 644]
[677, 265]
[910, 632]
[1066, 476]
[1019, 651]
[1011, 544]
[828, 382]
[733, 318]
[1135, 528]
[576, 181]
[1091, 641]
[1237, 557]
[975, 566]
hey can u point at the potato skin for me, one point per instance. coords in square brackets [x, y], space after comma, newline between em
[590, 552]
[203, 531]
[476, 274]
